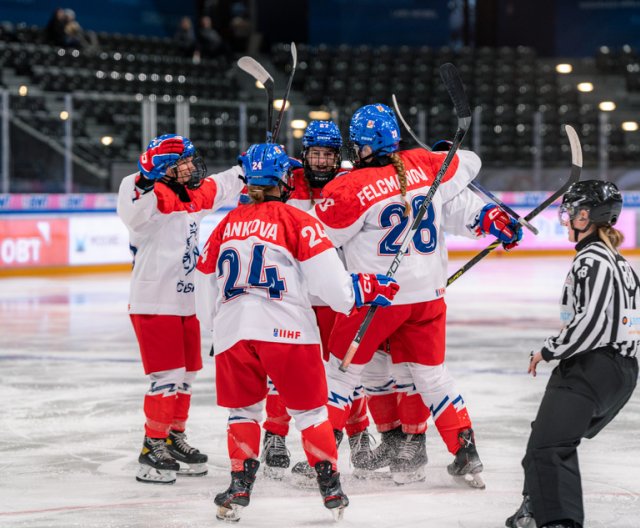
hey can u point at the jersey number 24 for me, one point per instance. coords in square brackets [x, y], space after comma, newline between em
[260, 276]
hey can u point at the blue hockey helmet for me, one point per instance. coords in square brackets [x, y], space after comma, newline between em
[375, 125]
[189, 158]
[322, 134]
[265, 164]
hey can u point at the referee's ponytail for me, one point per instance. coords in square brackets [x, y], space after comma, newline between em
[611, 237]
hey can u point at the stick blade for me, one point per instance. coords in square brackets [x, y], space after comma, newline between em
[453, 83]
[576, 149]
[255, 69]
[294, 55]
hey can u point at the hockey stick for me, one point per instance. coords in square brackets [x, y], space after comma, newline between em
[294, 63]
[474, 185]
[576, 168]
[257, 71]
[454, 86]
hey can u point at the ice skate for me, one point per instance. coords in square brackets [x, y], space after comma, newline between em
[523, 518]
[157, 466]
[238, 495]
[332, 495]
[193, 463]
[275, 456]
[362, 457]
[467, 466]
[408, 465]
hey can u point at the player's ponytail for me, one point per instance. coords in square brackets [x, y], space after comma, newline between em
[256, 192]
[398, 164]
[611, 237]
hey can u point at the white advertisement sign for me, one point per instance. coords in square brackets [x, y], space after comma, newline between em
[98, 239]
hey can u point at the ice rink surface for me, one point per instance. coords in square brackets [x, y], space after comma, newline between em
[72, 422]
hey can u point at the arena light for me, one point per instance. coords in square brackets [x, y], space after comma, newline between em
[106, 140]
[298, 124]
[298, 133]
[319, 115]
[607, 106]
[64, 115]
[23, 90]
[630, 126]
[564, 68]
[277, 104]
[585, 87]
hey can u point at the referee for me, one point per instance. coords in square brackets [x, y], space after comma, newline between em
[597, 370]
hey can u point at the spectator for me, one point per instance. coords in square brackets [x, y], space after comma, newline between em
[240, 27]
[55, 29]
[185, 37]
[76, 37]
[210, 43]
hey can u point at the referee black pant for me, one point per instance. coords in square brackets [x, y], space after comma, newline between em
[583, 395]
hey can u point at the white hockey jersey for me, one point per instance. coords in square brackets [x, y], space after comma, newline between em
[363, 213]
[163, 231]
[256, 274]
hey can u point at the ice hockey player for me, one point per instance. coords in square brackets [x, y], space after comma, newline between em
[321, 158]
[162, 206]
[367, 215]
[256, 275]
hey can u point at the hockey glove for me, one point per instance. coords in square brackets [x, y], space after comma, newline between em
[155, 161]
[496, 222]
[374, 289]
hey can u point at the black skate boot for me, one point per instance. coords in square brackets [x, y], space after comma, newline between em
[361, 455]
[303, 473]
[389, 446]
[408, 465]
[238, 494]
[467, 464]
[561, 524]
[275, 455]
[193, 463]
[523, 518]
[157, 466]
[332, 495]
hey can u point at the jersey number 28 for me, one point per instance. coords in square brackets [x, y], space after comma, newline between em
[392, 216]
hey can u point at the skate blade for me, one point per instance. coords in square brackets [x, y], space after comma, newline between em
[402, 478]
[338, 513]
[369, 474]
[155, 476]
[302, 480]
[193, 470]
[473, 480]
[231, 514]
[275, 473]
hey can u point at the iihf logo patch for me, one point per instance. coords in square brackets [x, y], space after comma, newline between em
[286, 334]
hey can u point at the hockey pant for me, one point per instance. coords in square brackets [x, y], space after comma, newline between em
[241, 376]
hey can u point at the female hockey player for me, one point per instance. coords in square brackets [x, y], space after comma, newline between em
[256, 275]
[597, 347]
[321, 157]
[162, 207]
[367, 214]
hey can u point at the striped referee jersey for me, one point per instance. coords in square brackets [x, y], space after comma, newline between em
[600, 304]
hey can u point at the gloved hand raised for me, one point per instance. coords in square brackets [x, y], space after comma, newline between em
[374, 289]
[495, 221]
[156, 160]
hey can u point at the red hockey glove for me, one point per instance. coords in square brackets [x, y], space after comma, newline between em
[376, 290]
[495, 221]
[155, 161]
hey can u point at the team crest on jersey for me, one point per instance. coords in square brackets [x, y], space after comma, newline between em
[191, 253]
